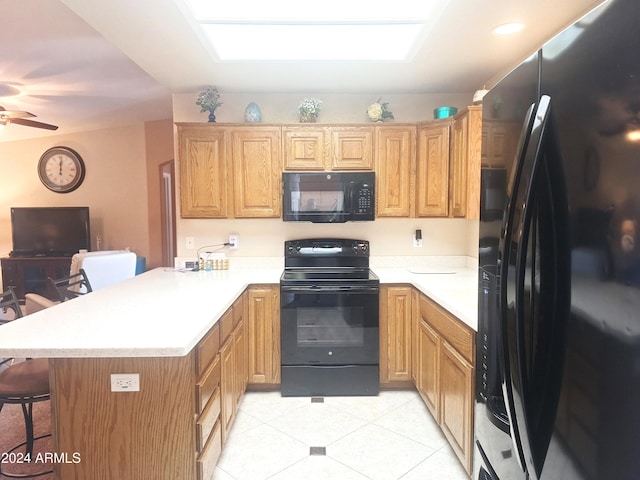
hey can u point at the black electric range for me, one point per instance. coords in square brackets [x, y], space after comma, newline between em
[329, 319]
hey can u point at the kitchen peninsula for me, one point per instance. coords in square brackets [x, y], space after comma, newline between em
[169, 326]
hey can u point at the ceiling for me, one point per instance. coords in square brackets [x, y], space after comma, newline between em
[89, 64]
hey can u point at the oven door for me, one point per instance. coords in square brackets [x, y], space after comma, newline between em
[329, 325]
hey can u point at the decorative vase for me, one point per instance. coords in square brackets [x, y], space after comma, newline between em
[308, 118]
[212, 116]
[253, 114]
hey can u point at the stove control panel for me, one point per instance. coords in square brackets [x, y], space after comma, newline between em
[326, 247]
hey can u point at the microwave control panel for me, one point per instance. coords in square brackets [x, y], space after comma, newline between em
[364, 198]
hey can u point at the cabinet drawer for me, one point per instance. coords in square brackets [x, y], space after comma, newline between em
[207, 349]
[209, 457]
[226, 325]
[207, 420]
[238, 310]
[207, 384]
[454, 332]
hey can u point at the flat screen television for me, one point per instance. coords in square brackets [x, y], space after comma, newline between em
[50, 231]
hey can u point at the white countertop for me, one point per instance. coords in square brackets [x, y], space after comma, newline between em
[165, 312]
[454, 288]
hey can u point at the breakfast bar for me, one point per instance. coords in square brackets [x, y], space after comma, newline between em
[168, 326]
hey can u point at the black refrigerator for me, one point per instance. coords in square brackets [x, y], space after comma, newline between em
[558, 342]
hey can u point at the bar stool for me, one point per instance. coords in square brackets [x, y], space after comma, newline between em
[22, 383]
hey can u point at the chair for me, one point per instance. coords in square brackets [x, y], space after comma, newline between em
[23, 383]
[9, 301]
[72, 286]
[102, 269]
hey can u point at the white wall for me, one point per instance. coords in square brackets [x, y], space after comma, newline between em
[115, 186]
[265, 237]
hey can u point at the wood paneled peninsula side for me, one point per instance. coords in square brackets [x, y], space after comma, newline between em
[196, 339]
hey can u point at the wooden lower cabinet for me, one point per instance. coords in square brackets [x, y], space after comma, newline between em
[429, 368]
[264, 334]
[395, 333]
[177, 424]
[174, 427]
[456, 402]
[445, 377]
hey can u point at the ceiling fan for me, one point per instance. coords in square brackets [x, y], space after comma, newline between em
[21, 118]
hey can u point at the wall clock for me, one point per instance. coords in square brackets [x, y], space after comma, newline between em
[61, 169]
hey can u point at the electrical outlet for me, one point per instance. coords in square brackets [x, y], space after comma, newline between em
[190, 243]
[234, 241]
[417, 239]
[125, 382]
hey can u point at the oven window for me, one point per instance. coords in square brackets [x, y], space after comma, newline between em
[330, 327]
[309, 201]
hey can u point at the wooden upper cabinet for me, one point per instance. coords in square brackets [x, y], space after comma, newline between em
[352, 148]
[395, 169]
[305, 148]
[466, 152]
[203, 172]
[256, 163]
[432, 190]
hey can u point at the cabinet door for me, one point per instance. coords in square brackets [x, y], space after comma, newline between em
[241, 346]
[395, 334]
[352, 148]
[240, 353]
[456, 397]
[429, 368]
[264, 334]
[465, 164]
[395, 166]
[255, 154]
[203, 172]
[432, 170]
[305, 148]
[227, 383]
[458, 181]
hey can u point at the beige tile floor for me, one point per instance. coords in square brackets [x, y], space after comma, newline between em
[391, 436]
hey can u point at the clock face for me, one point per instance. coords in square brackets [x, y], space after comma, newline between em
[61, 169]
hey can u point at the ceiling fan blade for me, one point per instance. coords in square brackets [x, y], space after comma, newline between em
[32, 123]
[16, 114]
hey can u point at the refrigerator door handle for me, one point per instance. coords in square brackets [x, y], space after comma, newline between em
[540, 218]
[507, 228]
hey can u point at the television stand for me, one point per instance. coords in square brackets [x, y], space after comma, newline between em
[30, 274]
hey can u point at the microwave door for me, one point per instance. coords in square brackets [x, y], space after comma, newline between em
[317, 203]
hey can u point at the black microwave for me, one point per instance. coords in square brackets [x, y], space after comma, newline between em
[328, 197]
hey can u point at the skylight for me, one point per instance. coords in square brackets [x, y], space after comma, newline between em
[340, 30]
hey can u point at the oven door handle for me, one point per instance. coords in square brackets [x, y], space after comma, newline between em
[332, 289]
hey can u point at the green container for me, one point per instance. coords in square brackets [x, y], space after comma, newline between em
[444, 112]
